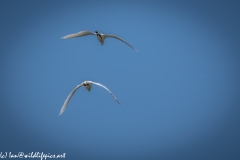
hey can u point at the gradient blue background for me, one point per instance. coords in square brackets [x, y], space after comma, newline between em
[179, 94]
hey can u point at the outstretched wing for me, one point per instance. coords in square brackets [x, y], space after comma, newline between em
[68, 98]
[113, 36]
[106, 89]
[79, 34]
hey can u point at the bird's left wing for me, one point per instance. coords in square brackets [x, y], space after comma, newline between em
[113, 36]
[79, 34]
[106, 89]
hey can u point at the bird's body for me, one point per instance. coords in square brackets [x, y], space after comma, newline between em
[101, 37]
[88, 86]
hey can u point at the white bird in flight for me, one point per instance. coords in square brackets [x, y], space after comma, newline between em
[101, 37]
[88, 86]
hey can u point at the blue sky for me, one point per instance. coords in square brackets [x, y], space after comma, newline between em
[179, 94]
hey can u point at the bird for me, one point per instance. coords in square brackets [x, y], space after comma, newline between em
[101, 37]
[88, 86]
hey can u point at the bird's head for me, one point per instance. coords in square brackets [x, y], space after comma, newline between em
[87, 85]
[96, 32]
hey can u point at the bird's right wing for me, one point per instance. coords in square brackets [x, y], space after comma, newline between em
[79, 34]
[106, 89]
[68, 98]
